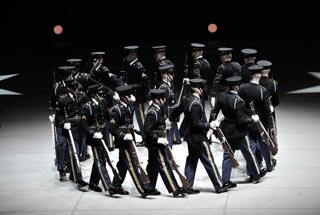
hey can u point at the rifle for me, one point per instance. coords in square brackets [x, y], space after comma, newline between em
[175, 166]
[106, 154]
[264, 134]
[273, 130]
[227, 148]
[72, 146]
[53, 128]
[54, 143]
[135, 156]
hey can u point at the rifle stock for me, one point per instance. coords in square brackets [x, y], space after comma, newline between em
[106, 154]
[74, 152]
[143, 174]
[264, 134]
[72, 146]
[273, 130]
[54, 143]
[227, 147]
[175, 166]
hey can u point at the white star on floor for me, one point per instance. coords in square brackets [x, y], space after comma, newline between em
[7, 92]
[315, 89]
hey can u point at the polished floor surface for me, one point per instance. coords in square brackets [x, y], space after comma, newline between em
[30, 183]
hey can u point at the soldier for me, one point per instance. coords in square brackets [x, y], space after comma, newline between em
[84, 81]
[249, 56]
[156, 141]
[235, 128]
[135, 75]
[94, 117]
[60, 88]
[253, 92]
[161, 60]
[103, 75]
[68, 116]
[121, 127]
[272, 87]
[167, 74]
[195, 130]
[226, 69]
[201, 69]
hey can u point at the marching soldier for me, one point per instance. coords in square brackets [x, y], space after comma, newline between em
[58, 89]
[94, 117]
[167, 74]
[135, 75]
[121, 127]
[249, 56]
[195, 130]
[84, 81]
[161, 60]
[201, 69]
[235, 128]
[68, 116]
[103, 75]
[226, 69]
[156, 141]
[272, 87]
[253, 92]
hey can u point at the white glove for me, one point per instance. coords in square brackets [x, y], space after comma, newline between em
[162, 140]
[168, 124]
[116, 96]
[186, 80]
[255, 118]
[97, 135]
[128, 137]
[271, 108]
[214, 124]
[212, 101]
[67, 125]
[132, 98]
[150, 102]
[209, 133]
[52, 118]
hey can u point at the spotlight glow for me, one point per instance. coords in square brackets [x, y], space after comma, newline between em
[212, 28]
[58, 29]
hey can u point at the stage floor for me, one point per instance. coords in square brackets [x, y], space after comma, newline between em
[30, 183]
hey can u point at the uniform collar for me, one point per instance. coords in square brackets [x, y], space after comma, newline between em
[132, 62]
[199, 57]
[196, 95]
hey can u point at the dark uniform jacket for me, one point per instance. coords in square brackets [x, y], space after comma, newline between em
[154, 126]
[136, 76]
[192, 128]
[121, 123]
[236, 122]
[224, 71]
[201, 69]
[84, 80]
[272, 87]
[58, 89]
[170, 97]
[105, 77]
[246, 73]
[69, 110]
[254, 92]
[93, 117]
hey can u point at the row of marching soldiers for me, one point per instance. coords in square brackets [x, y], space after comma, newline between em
[87, 107]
